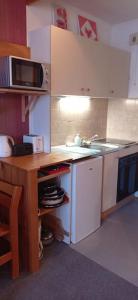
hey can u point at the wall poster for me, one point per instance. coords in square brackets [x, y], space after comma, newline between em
[60, 17]
[87, 28]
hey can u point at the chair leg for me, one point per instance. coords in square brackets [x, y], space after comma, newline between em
[15, 268]
[15, 253]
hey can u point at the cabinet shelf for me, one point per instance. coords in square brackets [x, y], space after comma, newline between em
[56, 174]
[21, 92]
[44, 211]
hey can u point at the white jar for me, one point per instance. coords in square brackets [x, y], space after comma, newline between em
[77, 140]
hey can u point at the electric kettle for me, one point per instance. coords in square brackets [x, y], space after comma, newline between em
[6, 143]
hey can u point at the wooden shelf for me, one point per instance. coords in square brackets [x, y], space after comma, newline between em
[22, 92]
[45, 211]
[47, 177]
[13, 49]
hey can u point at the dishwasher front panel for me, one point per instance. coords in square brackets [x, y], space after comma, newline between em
[127, 176]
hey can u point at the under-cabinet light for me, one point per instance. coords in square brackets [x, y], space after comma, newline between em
[132, 101]
[74, 104]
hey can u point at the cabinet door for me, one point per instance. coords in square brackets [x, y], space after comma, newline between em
[97, 67]
[133, 82]
[78, 65]
[110, 174]
[119, 73]
[68, 69]
[86, 198]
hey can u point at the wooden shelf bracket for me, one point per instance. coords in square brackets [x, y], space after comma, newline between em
[26, 108]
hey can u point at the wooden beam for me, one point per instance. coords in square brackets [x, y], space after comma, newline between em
[30, 1]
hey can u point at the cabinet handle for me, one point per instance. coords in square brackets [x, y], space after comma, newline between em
[82, 89]
[112, 91]
[88, 89]
[90, 169]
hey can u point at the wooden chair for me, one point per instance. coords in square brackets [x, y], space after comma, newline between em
[9, 199]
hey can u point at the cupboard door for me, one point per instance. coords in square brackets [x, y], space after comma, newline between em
[133, 82]
[119, 73]
[110, 174]
[97, 67]
[78, 66]
[68, 69]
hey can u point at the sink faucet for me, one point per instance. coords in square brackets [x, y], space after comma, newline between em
[94, 137]
[86, 141]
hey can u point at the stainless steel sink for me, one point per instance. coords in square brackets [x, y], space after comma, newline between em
[93, 148]
[101, 146]
[109, 145]
[79, 150]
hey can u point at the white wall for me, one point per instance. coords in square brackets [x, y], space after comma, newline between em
[40, 14]
[120, 34]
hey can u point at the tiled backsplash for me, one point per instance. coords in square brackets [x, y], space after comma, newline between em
[115, 118]
[65, 125]
[122, 120]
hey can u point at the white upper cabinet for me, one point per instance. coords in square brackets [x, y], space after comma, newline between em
[119, 73]
[77, 65]
[133, 82]
[80, 66]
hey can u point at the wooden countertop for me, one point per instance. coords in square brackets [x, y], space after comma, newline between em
[36, 161]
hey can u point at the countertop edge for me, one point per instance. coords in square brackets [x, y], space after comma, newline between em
[37, 161]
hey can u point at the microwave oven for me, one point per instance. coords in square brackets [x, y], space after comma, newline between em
[21, 73]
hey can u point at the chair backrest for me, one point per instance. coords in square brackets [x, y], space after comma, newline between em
[9, 197]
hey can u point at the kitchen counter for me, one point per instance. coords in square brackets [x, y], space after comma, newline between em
[59, 154]
[97, 148]
[83, 152]
[36, 161]
[117, 141]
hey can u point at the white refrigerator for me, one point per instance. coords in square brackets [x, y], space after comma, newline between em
[86, 198]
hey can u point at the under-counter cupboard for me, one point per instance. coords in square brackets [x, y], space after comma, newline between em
[80, 66]
[110, 177]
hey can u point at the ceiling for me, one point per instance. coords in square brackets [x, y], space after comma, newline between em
[111, 11]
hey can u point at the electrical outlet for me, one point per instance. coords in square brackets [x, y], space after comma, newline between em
[133, 39]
